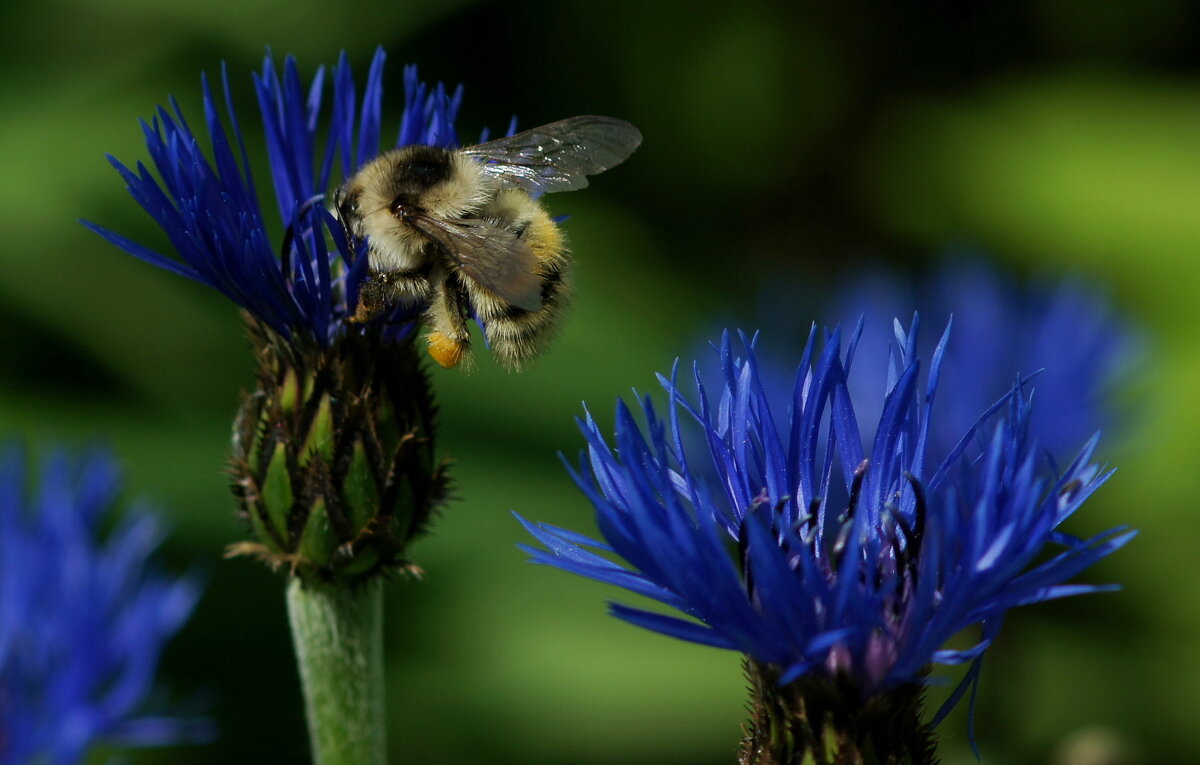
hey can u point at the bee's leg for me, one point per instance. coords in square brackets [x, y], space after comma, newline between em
[449, 333]
[385, 289]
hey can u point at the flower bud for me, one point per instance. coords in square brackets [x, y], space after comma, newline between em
[333, 455]
[824, 720]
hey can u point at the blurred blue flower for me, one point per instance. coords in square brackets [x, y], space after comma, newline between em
[299, 285]
[83, 616]
[785, 537]
[1065, 335]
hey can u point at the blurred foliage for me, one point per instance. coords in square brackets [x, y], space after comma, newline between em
[782, 140]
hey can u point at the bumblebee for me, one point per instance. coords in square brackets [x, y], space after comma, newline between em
[461, 232]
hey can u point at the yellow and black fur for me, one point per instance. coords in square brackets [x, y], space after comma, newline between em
[459, 232]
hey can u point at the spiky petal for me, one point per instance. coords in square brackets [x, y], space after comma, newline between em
[84, 615]
[304, 285]
[1063, 334]
[780, 534]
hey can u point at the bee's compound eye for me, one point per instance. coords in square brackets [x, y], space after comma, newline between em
[345, 202]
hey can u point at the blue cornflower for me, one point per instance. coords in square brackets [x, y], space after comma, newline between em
[83, 615]
[784, 536]
[333, 460]
[306, 282]
[1064, 334]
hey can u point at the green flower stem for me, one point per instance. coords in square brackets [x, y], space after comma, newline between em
[338, 634]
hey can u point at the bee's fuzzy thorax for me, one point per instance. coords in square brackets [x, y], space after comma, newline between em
[460, 190]
[463, 193]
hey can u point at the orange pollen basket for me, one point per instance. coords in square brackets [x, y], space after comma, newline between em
[444, 350]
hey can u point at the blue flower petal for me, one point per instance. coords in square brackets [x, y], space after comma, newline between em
[84, 616]
[301, 287]
[729, 510]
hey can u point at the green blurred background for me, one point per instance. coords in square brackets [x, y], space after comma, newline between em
[804, 141]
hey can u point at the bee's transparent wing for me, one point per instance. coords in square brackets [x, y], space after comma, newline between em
[494, 257]
[558, 156]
